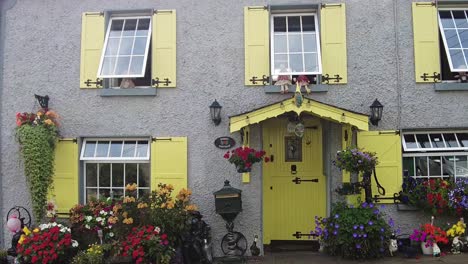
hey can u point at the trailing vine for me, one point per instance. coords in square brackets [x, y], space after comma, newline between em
[37, 135]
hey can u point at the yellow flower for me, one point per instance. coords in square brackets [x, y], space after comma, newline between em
[49, 122]
[128, 221]
[22, 238]
[163, 205]
[125, 214]
[26, 231]
[184, 195]
[131, 187]
[112, 220]
[39, 114]
[116, 208]
[191, 207]
[170, 204]
[142, 205]
[51, 114]
[169, 187]
[128, 199]
[36, 230]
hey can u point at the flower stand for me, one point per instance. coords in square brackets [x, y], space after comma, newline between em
[426, 250]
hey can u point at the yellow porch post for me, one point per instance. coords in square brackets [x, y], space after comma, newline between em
[246, 143]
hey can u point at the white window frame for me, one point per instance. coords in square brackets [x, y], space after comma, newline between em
[436, 154]
[432, 148]
[118, 159]
[444, 40]
[104, 48]
[317, 39]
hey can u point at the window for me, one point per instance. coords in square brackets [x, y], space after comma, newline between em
[435, 154]
[295, 44]
[111, 164]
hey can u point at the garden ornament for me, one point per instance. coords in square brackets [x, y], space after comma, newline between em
[17, 215]
[435, 250]
[393, 246]
[283, 80]
[14, 224]
[197, 247]
[462, 77]
[457, 245]
[253, 248]
[302, 80]
[298, 98]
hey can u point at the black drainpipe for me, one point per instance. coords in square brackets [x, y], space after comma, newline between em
[4, 7]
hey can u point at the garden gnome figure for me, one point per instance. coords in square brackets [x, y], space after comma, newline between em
[302, 80]
[393, 246]
[283, 80]
[254, 249]
[456, 245]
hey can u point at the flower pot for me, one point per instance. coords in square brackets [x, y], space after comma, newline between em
[243, 169]
[426, 250]
[353, 199]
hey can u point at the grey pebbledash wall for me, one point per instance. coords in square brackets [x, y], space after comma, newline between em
[40, 44]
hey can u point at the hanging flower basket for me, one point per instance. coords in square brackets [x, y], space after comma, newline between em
[244, 157]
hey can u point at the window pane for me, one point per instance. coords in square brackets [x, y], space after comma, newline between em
[104, 175]
[129, 149]
[458, 61]
[423, 141]
[280, 43]
[102, 149]
[104, 193]
[112, 46]
[295, 43]
[463, 37]
[117, 175]
[281, 63]
[460, 19]
[129, 28]
[446, 18]
[463, 139]
[461, 166]
[116, 149]
[295, 62]
[140, 46]
[143, 26]
[310, 43]
[108, 66]
[117, 193]
[136, 67]
[452, 38]
[122, 66]
[434, 166]
[142, 149]
[126, 46]
[311, 63]
[116, 28]
[294, 24]
[91, 194]
[450, 140]
[279, 24]
[448, 165]
[437, 141]
[410, 141]
[421, 166]
[408, 164]
[144, 174]
[143, 192]
[91, 174]
[89, 149]
[130, 173]
[308, 23]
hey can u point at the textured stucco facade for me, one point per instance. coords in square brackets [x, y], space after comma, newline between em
[40, 54]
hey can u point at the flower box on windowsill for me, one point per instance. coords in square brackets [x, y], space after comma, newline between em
[314, 88]
[149, 91]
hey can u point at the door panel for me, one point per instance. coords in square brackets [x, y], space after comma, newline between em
[291, 207]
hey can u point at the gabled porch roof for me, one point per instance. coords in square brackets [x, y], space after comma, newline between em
[310, 106]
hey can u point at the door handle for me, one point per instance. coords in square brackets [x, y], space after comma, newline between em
[272, 158]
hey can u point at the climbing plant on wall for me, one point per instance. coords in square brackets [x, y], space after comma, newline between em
[37, 134]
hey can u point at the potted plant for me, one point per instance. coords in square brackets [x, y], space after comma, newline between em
[3, 256]
[352, 192]
[455, 233]
[244, 157]
[356, 160]
[429, 235]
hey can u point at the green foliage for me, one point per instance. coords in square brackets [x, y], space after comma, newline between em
[84, 257]
[37, 150]
[354, 233]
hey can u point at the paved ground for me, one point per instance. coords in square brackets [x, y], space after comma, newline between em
[312, 257]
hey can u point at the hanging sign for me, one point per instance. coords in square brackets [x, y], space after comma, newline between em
[225, 142]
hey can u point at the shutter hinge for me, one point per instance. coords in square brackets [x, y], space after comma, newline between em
[265, 80]
[160, 139]
[426, 76]
[98, 82]
[326, 78]
[156, 82]
[329, 5]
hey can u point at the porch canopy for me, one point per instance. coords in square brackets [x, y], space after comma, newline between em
[310, 106]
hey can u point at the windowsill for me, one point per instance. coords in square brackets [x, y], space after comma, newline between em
[451, 86]
[128, 92]
[314, 88]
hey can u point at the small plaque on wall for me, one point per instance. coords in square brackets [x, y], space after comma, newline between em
[225, 142]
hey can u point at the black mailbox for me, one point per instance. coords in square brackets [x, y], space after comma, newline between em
[228, 201]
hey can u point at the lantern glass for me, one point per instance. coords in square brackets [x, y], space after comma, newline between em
[376, 112]
[215, 111]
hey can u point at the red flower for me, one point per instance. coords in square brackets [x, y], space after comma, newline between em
[267, 159]
[163, 236]
[226, 156]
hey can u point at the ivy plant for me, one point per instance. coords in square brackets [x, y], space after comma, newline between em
[37, 135]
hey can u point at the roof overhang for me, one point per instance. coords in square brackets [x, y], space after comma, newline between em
[310, 106]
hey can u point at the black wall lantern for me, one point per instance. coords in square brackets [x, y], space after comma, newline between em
[215, 111]
[376, 112]
[43, 101]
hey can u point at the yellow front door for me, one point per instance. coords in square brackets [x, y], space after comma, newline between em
[294, 187]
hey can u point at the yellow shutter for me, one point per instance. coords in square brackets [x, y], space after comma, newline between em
[333, 34]
[163, 61]
[169, 162]
[256, 44]
[92, 41]
[346, 139]
[66, 185]
[387, 145]
[426, 42]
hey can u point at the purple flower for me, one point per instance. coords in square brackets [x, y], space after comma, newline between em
[337, 216]
[382, 229]
[355, 227]
[365, 235]
[358, 246]
[337, 226]
[355, 235]
[364, 205]
[371, 205]
[361, 227]
[370, 223]
[376, 211]
[335, 232]
[382, 206]
[391, 223]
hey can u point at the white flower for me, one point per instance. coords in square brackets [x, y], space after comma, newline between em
[98, 219]
[63, 230]
[103, 212]
[89, 218]
[111, 234]
[87, 226]
[157, 229]
[74, 243]
[54, 224]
